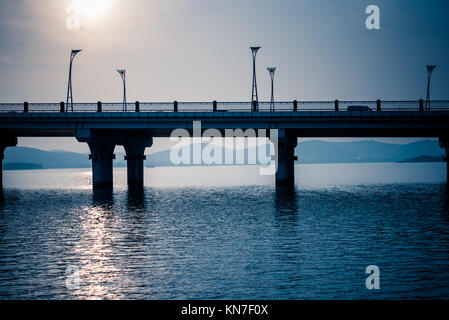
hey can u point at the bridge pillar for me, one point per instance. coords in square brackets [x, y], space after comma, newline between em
[7, 141]
[102, 154]
[285, 158]
[135, 156]
[444, 143]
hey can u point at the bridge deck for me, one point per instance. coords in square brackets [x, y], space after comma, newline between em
[301, 123]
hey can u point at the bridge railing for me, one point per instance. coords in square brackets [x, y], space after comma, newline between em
[263, 106]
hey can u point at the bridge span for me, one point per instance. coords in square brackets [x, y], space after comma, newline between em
[103, 127]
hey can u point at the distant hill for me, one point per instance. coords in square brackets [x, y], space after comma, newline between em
[312, 151]
[424, 159]
[317, 151]
[47, 159]
[56, 159]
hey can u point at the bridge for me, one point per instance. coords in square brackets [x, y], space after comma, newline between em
[103, 126]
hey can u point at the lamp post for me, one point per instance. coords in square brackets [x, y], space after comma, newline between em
[272, 70]
[122, 73]
[69, 87]
[430, 69]
[254, 94]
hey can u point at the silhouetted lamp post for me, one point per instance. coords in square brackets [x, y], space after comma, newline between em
[272, 70]
[69, 87]
[430, 69]
[123, 75]
[254, 95]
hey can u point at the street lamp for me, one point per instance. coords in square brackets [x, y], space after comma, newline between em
[69, 87]
[122, 73]
[254, 95]
[272, 70]
[430, 69]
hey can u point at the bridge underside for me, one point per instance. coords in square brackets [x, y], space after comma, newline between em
[300, 133]
[103, 131]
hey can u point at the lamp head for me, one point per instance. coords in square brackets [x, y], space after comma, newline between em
[254, 49]
[271, 70]
[122, 73]
[75, 52]
[430, 68]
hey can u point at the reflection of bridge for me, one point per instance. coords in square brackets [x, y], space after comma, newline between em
[103, 126]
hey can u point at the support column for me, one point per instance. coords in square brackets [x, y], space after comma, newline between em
[102, 155]
[444, 143]
[7, 141]
[285, 158]
[135, 156]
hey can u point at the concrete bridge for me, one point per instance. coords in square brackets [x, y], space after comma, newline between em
[102, 126]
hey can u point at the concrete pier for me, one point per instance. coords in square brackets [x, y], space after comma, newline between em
[102, 155]
[444, 143]
[285, 158]
[102, 145]
[135, 157]
[6, 141]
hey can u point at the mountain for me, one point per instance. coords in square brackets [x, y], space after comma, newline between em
[425, 159]
[47, 159]
[312, 151]
[317, 151]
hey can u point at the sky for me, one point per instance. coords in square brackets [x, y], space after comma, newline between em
[198, 50]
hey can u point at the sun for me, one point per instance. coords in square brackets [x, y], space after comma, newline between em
[92, 9]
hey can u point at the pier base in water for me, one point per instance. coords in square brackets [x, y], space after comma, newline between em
[285, 158]
[102, 155]
[7, 141]
[444, 143]
[102, 145]
[135, 158]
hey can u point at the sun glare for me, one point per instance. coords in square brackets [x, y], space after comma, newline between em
[92, 9]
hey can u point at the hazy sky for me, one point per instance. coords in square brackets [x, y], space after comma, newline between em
[197, 50]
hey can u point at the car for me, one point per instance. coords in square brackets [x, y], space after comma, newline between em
[358, 108]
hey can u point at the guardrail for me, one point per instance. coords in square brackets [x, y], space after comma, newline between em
[419, 105]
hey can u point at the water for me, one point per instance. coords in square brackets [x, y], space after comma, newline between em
[226, 233]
